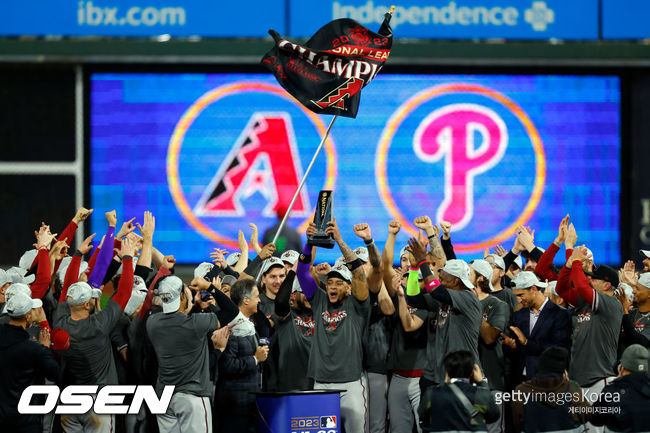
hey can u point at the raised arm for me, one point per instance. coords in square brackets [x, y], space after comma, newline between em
[163, 271]
[147, 231]
[72, 273]
[43, 276]
[106, 253]
[410, 322]
[359, 279]
[387, 257]
[579, 279]
[125, 287]
[243, 256]
[445, 240]
[374, 279]
[281, 303]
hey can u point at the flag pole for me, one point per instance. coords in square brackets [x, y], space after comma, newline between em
[295, 196]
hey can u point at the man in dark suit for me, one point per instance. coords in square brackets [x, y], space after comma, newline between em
[539, 324]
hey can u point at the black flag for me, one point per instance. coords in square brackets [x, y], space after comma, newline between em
[327, 74]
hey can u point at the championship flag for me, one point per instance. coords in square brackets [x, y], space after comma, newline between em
[327, 74]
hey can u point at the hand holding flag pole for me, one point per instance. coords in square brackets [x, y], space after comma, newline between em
[327, 74]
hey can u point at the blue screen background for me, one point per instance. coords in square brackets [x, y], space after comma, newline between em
[133, 117]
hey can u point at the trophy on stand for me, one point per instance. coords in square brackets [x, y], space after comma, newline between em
[322, 216]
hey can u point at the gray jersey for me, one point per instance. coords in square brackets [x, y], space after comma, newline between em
[266, 305]
[408, 349]
[595, 339]
[506, 295]
[458, 328]
[641, 322]
[336, 351]
[295, 335]
[181, 346]
[497, 314]
[89, 360]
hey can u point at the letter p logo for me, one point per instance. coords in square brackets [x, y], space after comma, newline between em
[451, 133]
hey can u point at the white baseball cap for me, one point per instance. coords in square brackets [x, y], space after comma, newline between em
[644, 279]
[340, 271]
[497, 260]
[17, 288]
[65, 263]
[296, 286]
[4, 278]
[645, 253]
[80, 292]
[483, 267]
[459, 269]
[21, 304]
[628, 290]
[17, 275]
[27, 259]
[139, 284]
[340, 260]
[551, 287]
[518, 262]
[136, 299]
[290, 256]
[362, 254]
[590, 254]
[526, 280]
[232, 259]
[271, 262]
[403, 252]
[169, 291]
[202, 269]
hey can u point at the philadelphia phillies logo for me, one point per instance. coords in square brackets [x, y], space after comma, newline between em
[477, 157]
[449, 134]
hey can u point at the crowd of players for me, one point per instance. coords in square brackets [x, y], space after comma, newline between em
[508, 342]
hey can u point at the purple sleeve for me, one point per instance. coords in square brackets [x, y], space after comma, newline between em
[307, 283]
[103, 260]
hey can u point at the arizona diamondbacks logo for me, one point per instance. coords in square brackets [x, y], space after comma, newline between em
[264, 159]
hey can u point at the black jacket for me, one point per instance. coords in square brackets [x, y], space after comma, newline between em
[440, 410]
[23, 362]
[553, 328]
[632, 412]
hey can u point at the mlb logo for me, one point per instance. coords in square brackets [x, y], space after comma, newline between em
[328, 422]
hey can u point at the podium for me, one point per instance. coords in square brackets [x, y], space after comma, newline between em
[316, 411]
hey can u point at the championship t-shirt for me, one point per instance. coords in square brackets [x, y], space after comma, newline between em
[294, 337]
[595, 339]
[181, 346]
[458, 328]
[641, 322]
[377, 339]
[408, 350]
[337, 348]
[89, 360]
[497, 314]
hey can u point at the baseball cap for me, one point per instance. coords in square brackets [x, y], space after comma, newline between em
[296, 286]
[605, 273]
[644, 279]
[169, 290]
[229, 280]
[136, 299]
[635, 358]
[27, 259]
[590, 254]
[340, 260]
[80, 292]
[551, 287]
[202, 269]
[518, 262]
[17, 288]
[17, 275]
[59, 339]
[139, 284]
[628, 290]
[483, 268]
[21, 304]
[497, 260]
[232, 259]
[362, 253]
[645, 253]
[65, 263]
[403, 252]
[526, 280]
[340, 271]
[270, 263]
[4, 278]
[459, 269]
[290, 256]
